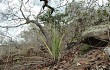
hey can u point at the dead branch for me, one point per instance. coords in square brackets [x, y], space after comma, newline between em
[12, 26]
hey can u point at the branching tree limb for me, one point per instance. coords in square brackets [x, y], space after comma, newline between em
[33, 21]
[26, 19]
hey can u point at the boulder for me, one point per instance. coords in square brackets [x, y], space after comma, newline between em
[96, 35]
[99, 31]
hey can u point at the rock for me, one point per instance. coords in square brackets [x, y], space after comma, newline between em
[82, 62]
[107, 50]
[104, 66]
[100, 31]
[101, 69]
[78, 64]
[96, 35]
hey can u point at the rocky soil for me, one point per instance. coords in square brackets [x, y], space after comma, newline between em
[94, 59]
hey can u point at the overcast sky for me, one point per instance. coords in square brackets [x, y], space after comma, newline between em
[36, 6]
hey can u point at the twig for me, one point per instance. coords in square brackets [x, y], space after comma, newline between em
[12, 26]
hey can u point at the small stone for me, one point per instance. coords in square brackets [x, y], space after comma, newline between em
[61, 69]
[78, 64]
[63, 62]
[104, 67]
[101, 69]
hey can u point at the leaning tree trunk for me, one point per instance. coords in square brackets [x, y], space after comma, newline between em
[43, 31]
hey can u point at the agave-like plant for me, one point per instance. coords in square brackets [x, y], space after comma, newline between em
[56, 45]
[46, 45]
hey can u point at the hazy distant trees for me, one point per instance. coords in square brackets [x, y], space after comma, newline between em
[76, 16]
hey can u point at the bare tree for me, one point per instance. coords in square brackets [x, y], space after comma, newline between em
[20, 15]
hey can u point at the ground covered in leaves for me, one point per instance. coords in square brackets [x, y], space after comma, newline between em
[73, 59]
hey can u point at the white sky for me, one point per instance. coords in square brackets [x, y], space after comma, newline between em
[36, 4]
